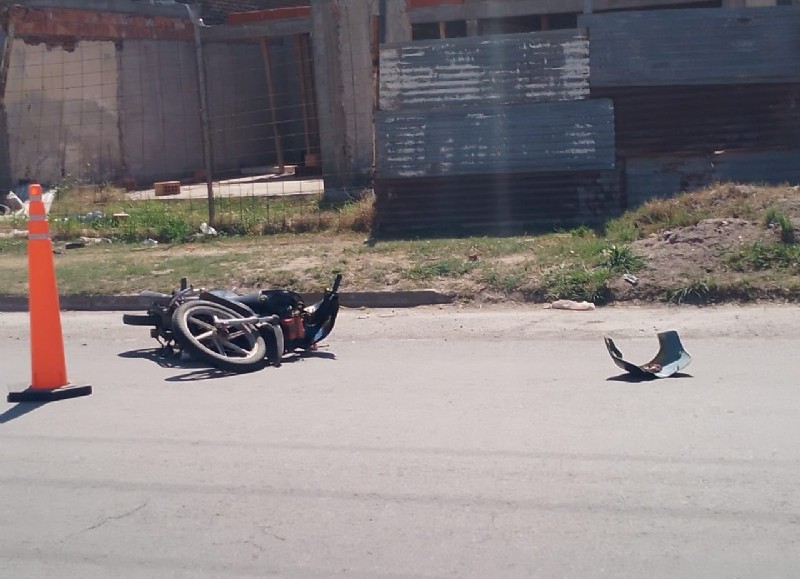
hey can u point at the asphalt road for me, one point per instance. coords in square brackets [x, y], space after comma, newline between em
[433, 442]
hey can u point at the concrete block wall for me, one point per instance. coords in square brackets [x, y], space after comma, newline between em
[114, 96]
[160, 128]
[63, 112]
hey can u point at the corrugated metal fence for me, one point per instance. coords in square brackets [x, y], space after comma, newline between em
[491, 131]
[513, 69]
[501, 132]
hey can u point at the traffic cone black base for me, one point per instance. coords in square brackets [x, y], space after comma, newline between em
[45, 395]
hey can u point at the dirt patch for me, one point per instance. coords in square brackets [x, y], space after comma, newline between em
[697, 256]
[677, 256]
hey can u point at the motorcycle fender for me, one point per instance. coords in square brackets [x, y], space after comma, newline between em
[324, 319]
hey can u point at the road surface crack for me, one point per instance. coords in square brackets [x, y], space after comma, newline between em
[105, 520]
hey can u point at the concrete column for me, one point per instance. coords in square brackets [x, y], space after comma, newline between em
[472, 24]
[398, 26]
[341, 33]
[5, 151]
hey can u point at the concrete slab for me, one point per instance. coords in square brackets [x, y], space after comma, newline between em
[266, 185]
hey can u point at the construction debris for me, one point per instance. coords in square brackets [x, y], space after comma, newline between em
[572, 305]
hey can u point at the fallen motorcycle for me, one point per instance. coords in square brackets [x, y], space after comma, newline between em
[237, 333]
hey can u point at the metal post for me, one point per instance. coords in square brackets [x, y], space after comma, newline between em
[271, 95]
[201, 82]
[301, 67]
[5, 149]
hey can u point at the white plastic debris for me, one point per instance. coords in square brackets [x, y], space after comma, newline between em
[206, 229]
[572, 305]
[21, 233]
[150, 241]
[94, 240]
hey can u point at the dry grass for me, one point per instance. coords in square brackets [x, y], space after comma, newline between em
[699, 244]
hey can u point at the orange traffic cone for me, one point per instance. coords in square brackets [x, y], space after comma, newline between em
[48, 369]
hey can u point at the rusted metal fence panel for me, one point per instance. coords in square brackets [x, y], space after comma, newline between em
[703, 119]
[517, 68]
[694, 47]
[576, 136]
[500, 202]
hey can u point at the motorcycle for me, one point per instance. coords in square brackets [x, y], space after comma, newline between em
[237, 333]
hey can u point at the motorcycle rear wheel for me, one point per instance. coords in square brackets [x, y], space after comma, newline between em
[238, 349]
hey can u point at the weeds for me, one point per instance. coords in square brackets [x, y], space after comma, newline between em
[655, 216]
[776, 218]
[83, 210]
[621, 259]
[577, 283]
[506, 280]
[452, 267]
[761, 256]
[697, 292]
[582, 231]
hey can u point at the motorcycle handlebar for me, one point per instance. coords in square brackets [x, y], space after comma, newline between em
[336, 281]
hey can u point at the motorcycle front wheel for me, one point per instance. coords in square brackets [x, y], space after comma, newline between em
[236, 349]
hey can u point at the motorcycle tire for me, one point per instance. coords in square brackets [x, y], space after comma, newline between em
[239, 350]
[139, 320]
[242, 309]
[273, 338]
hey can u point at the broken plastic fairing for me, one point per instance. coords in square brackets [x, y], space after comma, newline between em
[671, 357]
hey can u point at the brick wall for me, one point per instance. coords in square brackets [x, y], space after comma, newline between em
[215, 11]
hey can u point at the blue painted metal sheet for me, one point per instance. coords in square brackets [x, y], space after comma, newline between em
[648, 178]
[664, 177]
[697, 46]
[515, 68]
[561, 136]
[771, 167]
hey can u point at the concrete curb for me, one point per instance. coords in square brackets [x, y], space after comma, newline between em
[100, 303]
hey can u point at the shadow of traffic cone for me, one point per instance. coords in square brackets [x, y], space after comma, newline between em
[48, 368]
